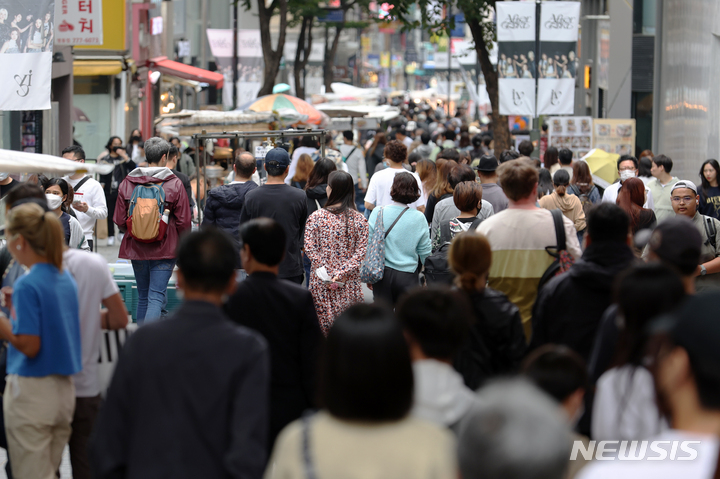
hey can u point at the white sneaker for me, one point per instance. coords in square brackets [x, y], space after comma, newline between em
[111, 240]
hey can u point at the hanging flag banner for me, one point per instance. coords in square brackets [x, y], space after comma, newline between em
[516, 63]
[250, 63]
[79, 22]
[26, 46]
[558, 62]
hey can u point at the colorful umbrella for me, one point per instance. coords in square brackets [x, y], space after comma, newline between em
[279, 101]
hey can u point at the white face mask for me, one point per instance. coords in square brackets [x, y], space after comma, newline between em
[3, 176]
[53, 201]
[627, 174]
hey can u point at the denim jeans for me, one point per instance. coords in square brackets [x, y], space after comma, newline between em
[307, 266]
[359, 199]
[152, 278]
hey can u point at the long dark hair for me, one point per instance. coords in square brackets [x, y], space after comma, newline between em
[551, 157]
[320, 172]
[108, 147]
[705, 183]
[342, 192]
[644, 167]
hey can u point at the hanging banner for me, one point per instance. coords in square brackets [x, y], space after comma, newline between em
[80, 22]
[516, 63]
[250, 63]
[558, 62]
[27, 29]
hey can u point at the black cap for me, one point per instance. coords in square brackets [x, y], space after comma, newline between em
[695, 327]
[488, 163]
[678, 242]
[278, 155]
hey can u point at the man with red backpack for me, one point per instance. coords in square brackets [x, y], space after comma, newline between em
[153, 211]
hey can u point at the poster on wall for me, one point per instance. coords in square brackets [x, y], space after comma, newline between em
[571, 132]
[250, 63]
[79, 22]
[614, 136]
[27, 30]
[558, 62]
[516, 65]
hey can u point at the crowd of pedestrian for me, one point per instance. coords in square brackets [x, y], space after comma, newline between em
[570, 315]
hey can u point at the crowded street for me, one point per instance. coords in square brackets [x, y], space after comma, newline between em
[358, 239]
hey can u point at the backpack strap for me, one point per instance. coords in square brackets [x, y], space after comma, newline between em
[476, 222]
[350, 154]
[308, 464]
[396, 220]
[559, 230]
[710, 231]
[82, 182]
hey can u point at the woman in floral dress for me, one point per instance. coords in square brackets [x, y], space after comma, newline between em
[336, 237]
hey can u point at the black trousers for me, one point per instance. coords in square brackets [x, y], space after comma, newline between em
[393, 285]
[111, 199]
[86, 411]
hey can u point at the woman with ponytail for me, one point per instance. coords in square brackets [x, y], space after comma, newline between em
[59, 195]
[44, 350]
[497, 342]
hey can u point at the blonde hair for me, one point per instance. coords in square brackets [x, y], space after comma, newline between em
[304, 167]
[470, 258]
[42, 230]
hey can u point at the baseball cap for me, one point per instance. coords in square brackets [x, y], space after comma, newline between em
[694, 326]
[487, 163]
[684, 184]
[678, 242]
[278, 155]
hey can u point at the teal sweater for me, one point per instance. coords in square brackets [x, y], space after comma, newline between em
[408, 240]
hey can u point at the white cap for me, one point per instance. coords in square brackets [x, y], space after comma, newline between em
[684, 184]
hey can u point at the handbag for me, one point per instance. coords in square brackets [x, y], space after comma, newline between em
[373, 266]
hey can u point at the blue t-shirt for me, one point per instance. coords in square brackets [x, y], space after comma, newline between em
[46, 305]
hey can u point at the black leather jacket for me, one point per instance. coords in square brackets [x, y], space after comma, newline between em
[496, 344]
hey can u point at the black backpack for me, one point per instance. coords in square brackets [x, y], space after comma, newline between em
[437, 270]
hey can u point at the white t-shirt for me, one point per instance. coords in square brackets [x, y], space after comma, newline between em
[407, 141]
[702, 467]
[378, 192]
[94, 196]
[611, 194]
[94, 283]
[624, 406]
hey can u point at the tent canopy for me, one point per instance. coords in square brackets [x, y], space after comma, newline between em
[21, 162]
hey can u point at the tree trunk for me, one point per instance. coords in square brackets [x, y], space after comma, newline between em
[501, 130]
[271, 57]
[304, 47]
[330, 58]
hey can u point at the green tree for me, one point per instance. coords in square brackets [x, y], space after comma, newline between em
[477, 13]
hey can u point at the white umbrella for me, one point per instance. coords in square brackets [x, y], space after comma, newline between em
[21, 162]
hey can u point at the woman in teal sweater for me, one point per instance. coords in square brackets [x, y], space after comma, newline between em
[407, 245]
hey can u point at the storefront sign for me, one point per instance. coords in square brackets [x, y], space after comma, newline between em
[79, 22]
[27, 30]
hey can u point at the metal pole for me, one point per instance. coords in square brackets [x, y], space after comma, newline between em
[235, 55]
[536, 120]
[449, 47]
[203, 40]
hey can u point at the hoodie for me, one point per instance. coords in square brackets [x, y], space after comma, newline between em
[569, 307]
[440, 394]
[176, 202]
[570, 206]
[316, 196]
[224, 206]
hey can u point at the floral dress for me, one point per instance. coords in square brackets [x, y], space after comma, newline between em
[338, 242]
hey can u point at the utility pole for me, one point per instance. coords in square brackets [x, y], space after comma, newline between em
[235, 54]
[449, 47]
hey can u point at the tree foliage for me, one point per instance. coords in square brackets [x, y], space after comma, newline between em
[434, 19]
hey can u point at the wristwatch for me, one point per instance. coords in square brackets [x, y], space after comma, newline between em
[703, 270]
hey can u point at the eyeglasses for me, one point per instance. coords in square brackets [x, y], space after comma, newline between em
[682, 199]
[628, 168]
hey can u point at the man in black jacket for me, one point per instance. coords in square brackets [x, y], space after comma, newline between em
[172, 164]
[189, 396]
[569, 307]
[225, 203]
[284, 313]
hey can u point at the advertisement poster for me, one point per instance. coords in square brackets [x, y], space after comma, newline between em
[79, 22]
[614, 136]
[27, 30]
[572, 132]
[250, 63]
[516, 65]
[558, 62]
